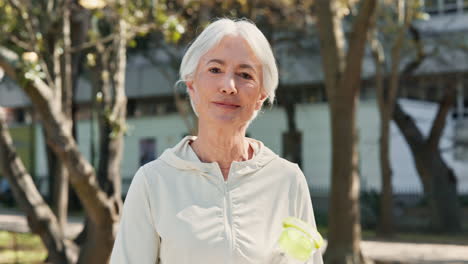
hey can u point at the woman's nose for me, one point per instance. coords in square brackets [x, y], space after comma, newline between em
[229, 85]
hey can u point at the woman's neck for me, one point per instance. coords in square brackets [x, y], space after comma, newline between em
[221, 145]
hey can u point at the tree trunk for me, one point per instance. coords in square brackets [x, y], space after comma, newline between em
[386, 97]
[58, 174]
[292, 139]
[292, 146]
[342, 78]
[99, 241]
[387, 105]
[385, 225]
[344, 218]
[79, 26]
[439, 181]
[40, 217]
[58, 187]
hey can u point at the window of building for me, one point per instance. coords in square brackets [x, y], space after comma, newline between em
[147, 150]
[307, 94]
[434, 7]
[433, 93]
[465, 95]
[450, 6]
[131, 107]
[171, 108]
[431, 6]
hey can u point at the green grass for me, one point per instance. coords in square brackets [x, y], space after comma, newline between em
[21, 248]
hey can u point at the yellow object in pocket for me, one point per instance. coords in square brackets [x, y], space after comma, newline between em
[299, 240]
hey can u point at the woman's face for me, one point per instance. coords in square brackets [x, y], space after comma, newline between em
[227, 83]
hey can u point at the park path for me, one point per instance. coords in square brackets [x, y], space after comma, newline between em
[383, 252]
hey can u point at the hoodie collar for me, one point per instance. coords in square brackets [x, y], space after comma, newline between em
[181, 156]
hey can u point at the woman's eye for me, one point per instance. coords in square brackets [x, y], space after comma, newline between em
[246, 76]
[214, 70]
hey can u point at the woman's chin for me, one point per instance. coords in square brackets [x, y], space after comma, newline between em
[226, 119]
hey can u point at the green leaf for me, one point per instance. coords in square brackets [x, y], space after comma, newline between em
[132, 43]
[175, 37]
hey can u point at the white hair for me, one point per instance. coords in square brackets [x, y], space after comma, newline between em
[214, 33]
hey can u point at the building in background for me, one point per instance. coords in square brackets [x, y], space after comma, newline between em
[156, 125]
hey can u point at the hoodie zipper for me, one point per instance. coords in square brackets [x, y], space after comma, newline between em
[228, 221]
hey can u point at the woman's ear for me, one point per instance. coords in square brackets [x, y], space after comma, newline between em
[261, 99]
[189, 85]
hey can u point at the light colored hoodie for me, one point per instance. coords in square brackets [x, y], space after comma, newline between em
[179, 210]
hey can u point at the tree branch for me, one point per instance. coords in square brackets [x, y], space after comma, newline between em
[438, 124]
[379, 58]
[408, 127]
[396, 56]
[421, 54]
[22, 9]
[101, 41]
[7, 61]
[60, 139]
[357, 41]
[331, 43]
[82, 176]
[18, 42]
[40, 217]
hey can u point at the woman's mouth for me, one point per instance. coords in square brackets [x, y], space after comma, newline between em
[226, 105]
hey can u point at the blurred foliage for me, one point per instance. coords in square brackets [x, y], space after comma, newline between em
[321, 218]
[370, 208]
[36, 26]
[463, 200]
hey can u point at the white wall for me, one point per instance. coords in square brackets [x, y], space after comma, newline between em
[167, 130]
[313, 121]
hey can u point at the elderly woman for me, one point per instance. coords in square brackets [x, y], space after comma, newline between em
[219, 197]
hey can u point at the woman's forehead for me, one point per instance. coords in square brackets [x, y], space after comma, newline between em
[232, 50]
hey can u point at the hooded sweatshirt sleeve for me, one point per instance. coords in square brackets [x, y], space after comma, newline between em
[305, 210]
[137, 239]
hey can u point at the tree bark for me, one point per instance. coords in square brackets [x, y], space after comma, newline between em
[61, 188]
[79, 27]
[58, 187]
[439, 181]
[342, 78]
[385, 224]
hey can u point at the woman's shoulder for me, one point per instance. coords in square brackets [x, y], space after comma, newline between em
[152, 166]
[287, 165]
[152, 170]
[288, 171]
